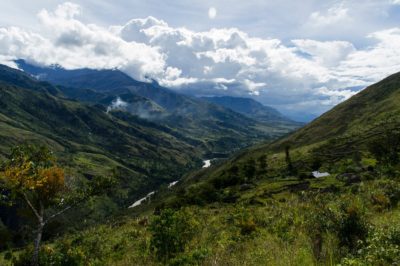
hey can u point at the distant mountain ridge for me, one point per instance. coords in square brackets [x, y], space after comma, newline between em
[85, 78]
[220, 129]
[251, 108]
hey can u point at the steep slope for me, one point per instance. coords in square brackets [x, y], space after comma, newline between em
[264, 206]
[375, 103]
[359, 134]
[90, 140]
[253, 109]
[214, 128]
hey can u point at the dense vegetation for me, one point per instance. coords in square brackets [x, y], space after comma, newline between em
[264, 206]
[90, 140]
[281, 221]
[211, 128]
[32, 176]
[252, 108]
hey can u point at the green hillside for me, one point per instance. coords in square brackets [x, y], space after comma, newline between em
[362, 131]
[87, 139]
[372, 105]
[214, 128]
[264, 206]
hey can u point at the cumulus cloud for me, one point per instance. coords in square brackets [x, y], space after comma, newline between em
[335, 14]
[375, 62]
[328, 54]
[301, 74]
[66, 41]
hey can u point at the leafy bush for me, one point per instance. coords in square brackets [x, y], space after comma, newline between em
[382, 247]
[319, 219]
[170, 233]
[380, 200]
[244, 220]
[195, 257]
[352, 226]
[201, 194]
[61, 255]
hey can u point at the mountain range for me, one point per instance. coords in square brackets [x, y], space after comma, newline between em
[253, 109]
[215, 127]
[325, 194]
[99, 120]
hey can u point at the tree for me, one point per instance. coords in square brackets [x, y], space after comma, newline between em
[386, 148]
[33, 176]
[249, 169]
[263, 163]
[288, 159]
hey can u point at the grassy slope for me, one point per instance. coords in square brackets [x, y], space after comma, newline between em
[278, 215]
[272, 217]
[373, 104]
[88, 140]
[350, 120]
[282, 211]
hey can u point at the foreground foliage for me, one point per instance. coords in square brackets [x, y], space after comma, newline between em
[348, 227]
[32, 176]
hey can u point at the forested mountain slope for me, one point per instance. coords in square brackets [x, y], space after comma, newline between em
[90, 140]
[214, 127]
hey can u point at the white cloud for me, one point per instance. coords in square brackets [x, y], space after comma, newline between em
[302, 74]
[375, 62]
[325, 53]
[117, 104]
[66, 41]
[8, 61]
[333, 15]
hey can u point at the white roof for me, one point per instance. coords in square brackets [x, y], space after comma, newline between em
[318, 174]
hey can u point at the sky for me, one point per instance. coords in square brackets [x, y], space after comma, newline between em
[301, 57]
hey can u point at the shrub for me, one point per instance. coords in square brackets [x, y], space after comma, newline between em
[342, 220]
[352, 227]
[195, 257]
[170, 233]
[244, 220]
[263, 164]
[382, 247]
[201, 193]
[380, 200]
[61, 255]
[249, 169]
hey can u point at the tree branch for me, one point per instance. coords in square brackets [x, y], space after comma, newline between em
[63, 210]
[31, 206]
[58, 213]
